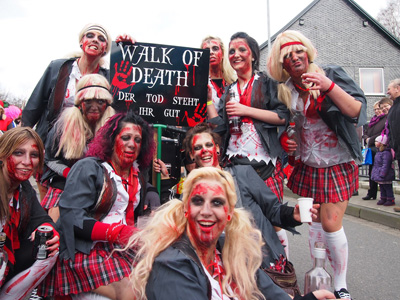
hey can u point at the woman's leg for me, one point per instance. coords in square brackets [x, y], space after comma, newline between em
[336, 241]
[118, 290]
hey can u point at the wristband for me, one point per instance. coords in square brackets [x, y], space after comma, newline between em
[330, 88]
[65, 172]
[209, 102]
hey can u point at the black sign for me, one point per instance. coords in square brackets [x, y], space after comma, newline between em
[163, 84]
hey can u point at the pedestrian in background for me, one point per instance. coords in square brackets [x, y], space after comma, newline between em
[383, 171]
[374, 129]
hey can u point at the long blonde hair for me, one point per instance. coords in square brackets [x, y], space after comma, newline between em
[241, 254]
[72, 128]
[228, 74]
[277, 55]
[9, 141]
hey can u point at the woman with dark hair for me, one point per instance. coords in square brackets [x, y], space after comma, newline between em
[21, 155]
[101, 203]
[263, 118]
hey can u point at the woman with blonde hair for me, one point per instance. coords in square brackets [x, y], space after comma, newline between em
[220, 73]
[68, 139]
[326, 106]
[202, 247]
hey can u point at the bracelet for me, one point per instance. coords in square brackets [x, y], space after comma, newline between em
[330, 88]
[209, 102]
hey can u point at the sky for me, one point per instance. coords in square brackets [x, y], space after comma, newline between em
[32, 33]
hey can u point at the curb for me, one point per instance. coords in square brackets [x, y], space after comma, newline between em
[373, 215]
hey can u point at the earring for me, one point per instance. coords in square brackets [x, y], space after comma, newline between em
[186, 214]
[252, 59]
[81, 46]
[229, 217]
[1, 163]
[217, 152]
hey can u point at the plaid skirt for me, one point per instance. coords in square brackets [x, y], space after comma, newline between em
[275, 181]
[325, 185]
[99, 268]
[52, 198]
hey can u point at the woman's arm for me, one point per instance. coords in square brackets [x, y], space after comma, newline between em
[266, 116]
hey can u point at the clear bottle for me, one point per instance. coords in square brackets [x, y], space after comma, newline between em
[3, 257]
[318, 278]
[235, 122]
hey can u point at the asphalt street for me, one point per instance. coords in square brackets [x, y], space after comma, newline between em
[374, 257]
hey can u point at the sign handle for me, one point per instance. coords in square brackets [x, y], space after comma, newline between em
[159, 127]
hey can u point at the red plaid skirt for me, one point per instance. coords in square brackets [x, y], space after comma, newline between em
[325, 185]
[52, 198]
[275, 181]
[101, 267]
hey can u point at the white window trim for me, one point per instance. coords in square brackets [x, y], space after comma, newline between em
[383, 82]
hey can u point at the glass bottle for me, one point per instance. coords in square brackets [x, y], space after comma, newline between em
[291, 133]
[318, 278]
[234, 121]
[3, 257]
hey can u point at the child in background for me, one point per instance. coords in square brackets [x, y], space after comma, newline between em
[383, 171]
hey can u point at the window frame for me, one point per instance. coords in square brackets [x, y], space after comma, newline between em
[382, 79]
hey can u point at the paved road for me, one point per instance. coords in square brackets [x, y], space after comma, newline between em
[374, 258]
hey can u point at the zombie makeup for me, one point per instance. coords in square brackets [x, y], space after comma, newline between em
[127, 145]
[204, 150]
[208, 212]
[23, 162]
[240, 56]
[296, 63]
[216, 54]
[94, 43]
[93, 109]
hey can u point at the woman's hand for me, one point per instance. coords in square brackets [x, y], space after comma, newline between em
[125, 38]
[324, 294]
[53, 244]
[234, 108]
[159, 166]
[317, 81]
[314, 212]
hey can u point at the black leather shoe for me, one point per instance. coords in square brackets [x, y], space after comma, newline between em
[368, 197]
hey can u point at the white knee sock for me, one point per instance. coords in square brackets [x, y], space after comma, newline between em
[282, 235]
[315, 234]
[338, 254]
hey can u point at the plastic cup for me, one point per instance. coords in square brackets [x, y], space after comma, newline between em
[305, 204]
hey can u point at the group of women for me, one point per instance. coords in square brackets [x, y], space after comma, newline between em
[205, 246]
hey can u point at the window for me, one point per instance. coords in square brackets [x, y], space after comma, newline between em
[371, 81]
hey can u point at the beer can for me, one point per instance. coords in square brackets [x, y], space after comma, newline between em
[42, 235]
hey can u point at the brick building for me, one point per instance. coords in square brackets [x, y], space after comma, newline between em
[346, 35]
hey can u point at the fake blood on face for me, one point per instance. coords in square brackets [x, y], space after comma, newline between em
[204, 150]
[127, 146]
[23, 162]
[208, 211]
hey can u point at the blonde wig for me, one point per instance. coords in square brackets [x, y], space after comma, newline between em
[9, 142]
[228, 74]
[72, 127]
[241, 254]
[284, 44]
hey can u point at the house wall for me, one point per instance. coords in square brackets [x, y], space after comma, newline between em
[336, 29]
